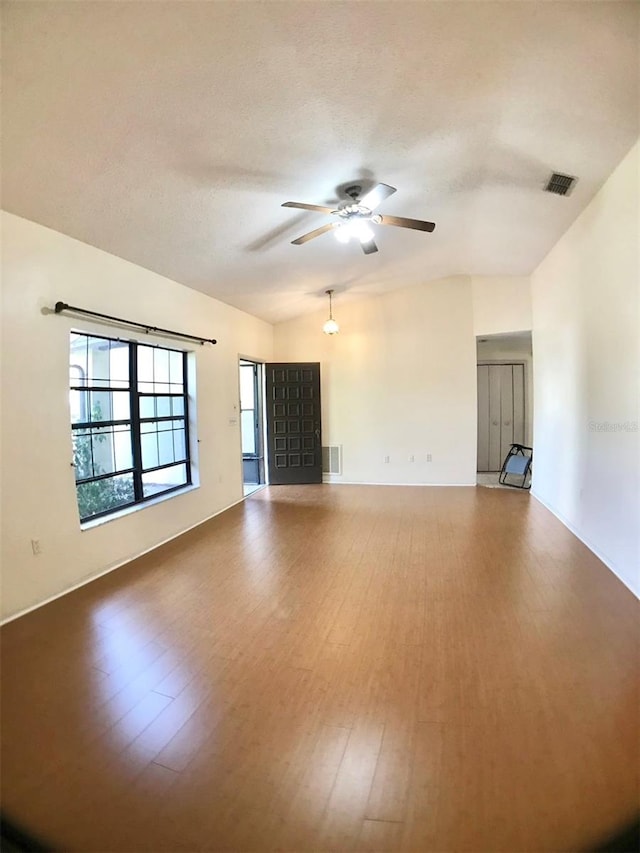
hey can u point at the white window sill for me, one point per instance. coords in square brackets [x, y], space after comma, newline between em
[105, 519]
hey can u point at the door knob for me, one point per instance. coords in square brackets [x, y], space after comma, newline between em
[495, 423]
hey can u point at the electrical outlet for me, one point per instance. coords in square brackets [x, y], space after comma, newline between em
[386, 459]
[428, 457]
[35, 547]
[412, 458]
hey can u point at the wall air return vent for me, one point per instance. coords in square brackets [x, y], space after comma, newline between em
[560, 184]
[332, 459]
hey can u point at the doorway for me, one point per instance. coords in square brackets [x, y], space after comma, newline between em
[505, 404]
[251, 428]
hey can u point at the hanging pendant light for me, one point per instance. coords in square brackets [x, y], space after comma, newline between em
[330, 327]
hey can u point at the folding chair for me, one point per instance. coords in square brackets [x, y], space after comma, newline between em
[517, 463]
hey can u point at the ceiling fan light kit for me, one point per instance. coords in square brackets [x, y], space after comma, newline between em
[355, 228]
[356, 217]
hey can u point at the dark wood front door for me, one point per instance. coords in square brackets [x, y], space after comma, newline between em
[294, 446]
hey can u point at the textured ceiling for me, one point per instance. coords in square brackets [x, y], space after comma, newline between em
[169, 133]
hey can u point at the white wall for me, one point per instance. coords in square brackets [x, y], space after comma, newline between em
[398, 380]
[41, 267]
[586, 330]
[501, 304]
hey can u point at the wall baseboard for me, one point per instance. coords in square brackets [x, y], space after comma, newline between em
[118, 565]
[579, 535]
[328, 482]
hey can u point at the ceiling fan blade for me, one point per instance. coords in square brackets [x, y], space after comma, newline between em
[306, 237]
[376, 195]
[302, 206]
[401, 222]
[369, 247]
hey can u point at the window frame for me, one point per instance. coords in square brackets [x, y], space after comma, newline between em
[134, 422]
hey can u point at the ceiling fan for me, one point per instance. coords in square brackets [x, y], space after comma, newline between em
[355, 215]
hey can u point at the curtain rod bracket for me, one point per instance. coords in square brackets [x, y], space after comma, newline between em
[64, 306]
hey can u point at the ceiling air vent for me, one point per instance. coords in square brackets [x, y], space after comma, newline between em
[332, 459]
[560, 184]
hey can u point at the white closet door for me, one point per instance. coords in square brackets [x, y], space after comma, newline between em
[483, 417]
[506, 411]
[495, 417]
[518, 403]
[500, 412]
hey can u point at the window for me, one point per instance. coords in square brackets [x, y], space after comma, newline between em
[250, 424]
[129, 422]
[248, 420]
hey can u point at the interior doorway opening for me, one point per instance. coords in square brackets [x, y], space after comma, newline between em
[251, 425]
[505, 400]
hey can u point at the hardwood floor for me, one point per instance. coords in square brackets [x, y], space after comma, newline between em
[332, 668]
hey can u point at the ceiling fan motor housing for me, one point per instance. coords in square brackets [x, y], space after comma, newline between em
[351, 211]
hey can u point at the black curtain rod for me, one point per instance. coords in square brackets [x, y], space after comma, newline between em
[62, 306]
